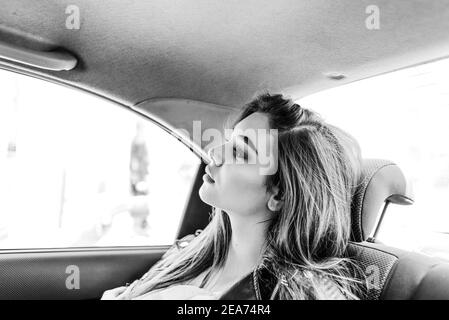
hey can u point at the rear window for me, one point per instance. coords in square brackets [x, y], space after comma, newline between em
[402, 116]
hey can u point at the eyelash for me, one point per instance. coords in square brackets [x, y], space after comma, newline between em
[234, 152]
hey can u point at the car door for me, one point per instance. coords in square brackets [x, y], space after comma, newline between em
[91, 194]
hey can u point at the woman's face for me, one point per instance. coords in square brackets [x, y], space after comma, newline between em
[235, 180]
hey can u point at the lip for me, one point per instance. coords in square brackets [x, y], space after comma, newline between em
[208, 179]
[208, 176]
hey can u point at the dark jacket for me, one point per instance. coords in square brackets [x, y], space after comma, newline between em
[251, 288]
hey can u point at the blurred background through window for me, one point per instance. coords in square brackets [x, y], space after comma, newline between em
[79, 171]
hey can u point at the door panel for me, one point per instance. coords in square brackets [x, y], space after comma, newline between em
[43, 275]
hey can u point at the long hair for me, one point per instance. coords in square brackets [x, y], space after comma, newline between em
[318, 169]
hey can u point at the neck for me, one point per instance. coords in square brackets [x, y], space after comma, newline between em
[247, 241]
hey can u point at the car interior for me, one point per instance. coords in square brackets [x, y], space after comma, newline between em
[176, 62]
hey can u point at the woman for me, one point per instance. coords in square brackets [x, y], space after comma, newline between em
[281, 235]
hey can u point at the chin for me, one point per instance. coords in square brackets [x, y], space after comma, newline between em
[206, 194]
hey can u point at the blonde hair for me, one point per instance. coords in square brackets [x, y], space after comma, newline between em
[318, 169]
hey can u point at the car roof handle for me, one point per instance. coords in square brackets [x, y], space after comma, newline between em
[56, 60]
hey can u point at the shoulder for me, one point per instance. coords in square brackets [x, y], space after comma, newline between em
[181, 243]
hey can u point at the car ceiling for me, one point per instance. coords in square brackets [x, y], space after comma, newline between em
[221, 53]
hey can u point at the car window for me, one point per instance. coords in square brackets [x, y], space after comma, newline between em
[78, 171]
[402, 116]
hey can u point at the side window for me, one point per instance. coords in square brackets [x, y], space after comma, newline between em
[77, 171]
[402, 116]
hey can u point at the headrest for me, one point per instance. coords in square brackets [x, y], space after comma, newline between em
[381, 182]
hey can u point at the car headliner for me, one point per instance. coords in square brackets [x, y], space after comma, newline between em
[171, 57]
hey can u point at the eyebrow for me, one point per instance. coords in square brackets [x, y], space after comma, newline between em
[248, 142]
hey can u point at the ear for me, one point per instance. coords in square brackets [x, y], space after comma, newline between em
[274, 202]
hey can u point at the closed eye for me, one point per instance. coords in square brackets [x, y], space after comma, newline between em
[238, 152]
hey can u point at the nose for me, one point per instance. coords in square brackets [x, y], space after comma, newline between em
[215, 156]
